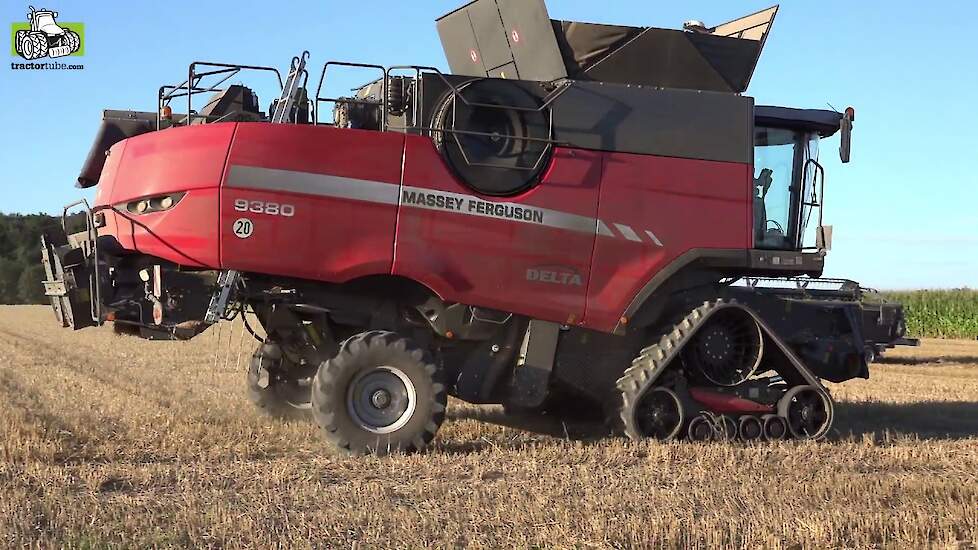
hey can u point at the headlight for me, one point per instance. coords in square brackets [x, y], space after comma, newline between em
[149, 205]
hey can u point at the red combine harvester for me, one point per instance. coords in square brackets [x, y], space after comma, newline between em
[580, 218]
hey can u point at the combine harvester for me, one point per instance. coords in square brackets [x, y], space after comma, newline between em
[580, 218]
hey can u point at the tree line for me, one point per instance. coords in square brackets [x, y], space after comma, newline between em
[20, 257]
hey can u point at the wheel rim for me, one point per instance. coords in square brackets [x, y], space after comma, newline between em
[728, 350]
[381, 400]
[807, 413]
[659, 414]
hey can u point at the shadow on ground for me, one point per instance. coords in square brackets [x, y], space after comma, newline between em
[880, 421]
[553, 426]
[930, 359]
[926, 419]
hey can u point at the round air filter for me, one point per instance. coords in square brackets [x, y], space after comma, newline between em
[494, 139]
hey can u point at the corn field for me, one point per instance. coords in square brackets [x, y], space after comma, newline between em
[940, 313]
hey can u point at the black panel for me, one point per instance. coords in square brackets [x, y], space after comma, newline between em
[615, 117]
[489, 34]
[732, 58]
[504, 31]
[660, 58]
[532, 40]
[824, 122]
[666, 122]
[584, 44]
[116, 126]
[459, 44]
[507, 71]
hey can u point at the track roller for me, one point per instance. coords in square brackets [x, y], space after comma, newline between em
[775, 427]
[726, 428]
[700, 429]
[750, 428]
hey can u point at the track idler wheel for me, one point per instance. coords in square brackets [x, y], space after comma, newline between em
[807, 411]
[660, 414]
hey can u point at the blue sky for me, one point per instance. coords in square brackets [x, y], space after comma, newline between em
[904, 210]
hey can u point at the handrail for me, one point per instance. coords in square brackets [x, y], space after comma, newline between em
[191, 84]
[322, 79]
[818, 201]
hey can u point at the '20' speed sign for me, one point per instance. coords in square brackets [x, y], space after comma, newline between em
[243, 228]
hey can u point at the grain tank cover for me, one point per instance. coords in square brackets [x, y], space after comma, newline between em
[517, 39]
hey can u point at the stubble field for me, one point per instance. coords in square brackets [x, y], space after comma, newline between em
[109, 441]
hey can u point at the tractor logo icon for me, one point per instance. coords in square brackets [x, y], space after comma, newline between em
[45, 38]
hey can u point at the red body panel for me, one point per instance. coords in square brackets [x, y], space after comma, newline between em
[604, 225]
[181, 159]
[329, 238]
[515, 266]
[725, 403]
[685, 203]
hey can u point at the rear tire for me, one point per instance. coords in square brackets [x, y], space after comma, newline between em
[380, 394]
[280, 398]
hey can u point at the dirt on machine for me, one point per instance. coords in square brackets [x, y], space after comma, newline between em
[577, 220]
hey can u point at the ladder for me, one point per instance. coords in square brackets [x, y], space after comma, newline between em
[294, 84]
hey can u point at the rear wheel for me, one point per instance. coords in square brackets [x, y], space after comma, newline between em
[380, 394]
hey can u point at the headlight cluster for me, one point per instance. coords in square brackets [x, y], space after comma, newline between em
[154, 204]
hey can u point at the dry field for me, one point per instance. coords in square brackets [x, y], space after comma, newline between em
[110, 441]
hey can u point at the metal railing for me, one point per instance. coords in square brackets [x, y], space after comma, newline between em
[192, 84]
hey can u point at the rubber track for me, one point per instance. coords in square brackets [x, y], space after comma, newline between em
[653, 360]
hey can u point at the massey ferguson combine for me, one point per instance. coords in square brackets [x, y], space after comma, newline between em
[579, 218]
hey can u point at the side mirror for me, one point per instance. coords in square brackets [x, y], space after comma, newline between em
[823, 237]
[845, 147]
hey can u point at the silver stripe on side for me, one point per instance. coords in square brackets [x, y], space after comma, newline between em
[654, 238]
[325, 185]
[307, 183]
[628, 232]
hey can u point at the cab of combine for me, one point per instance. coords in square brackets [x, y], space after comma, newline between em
[527, 227]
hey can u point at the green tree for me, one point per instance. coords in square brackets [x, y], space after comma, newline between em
[29, 287]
